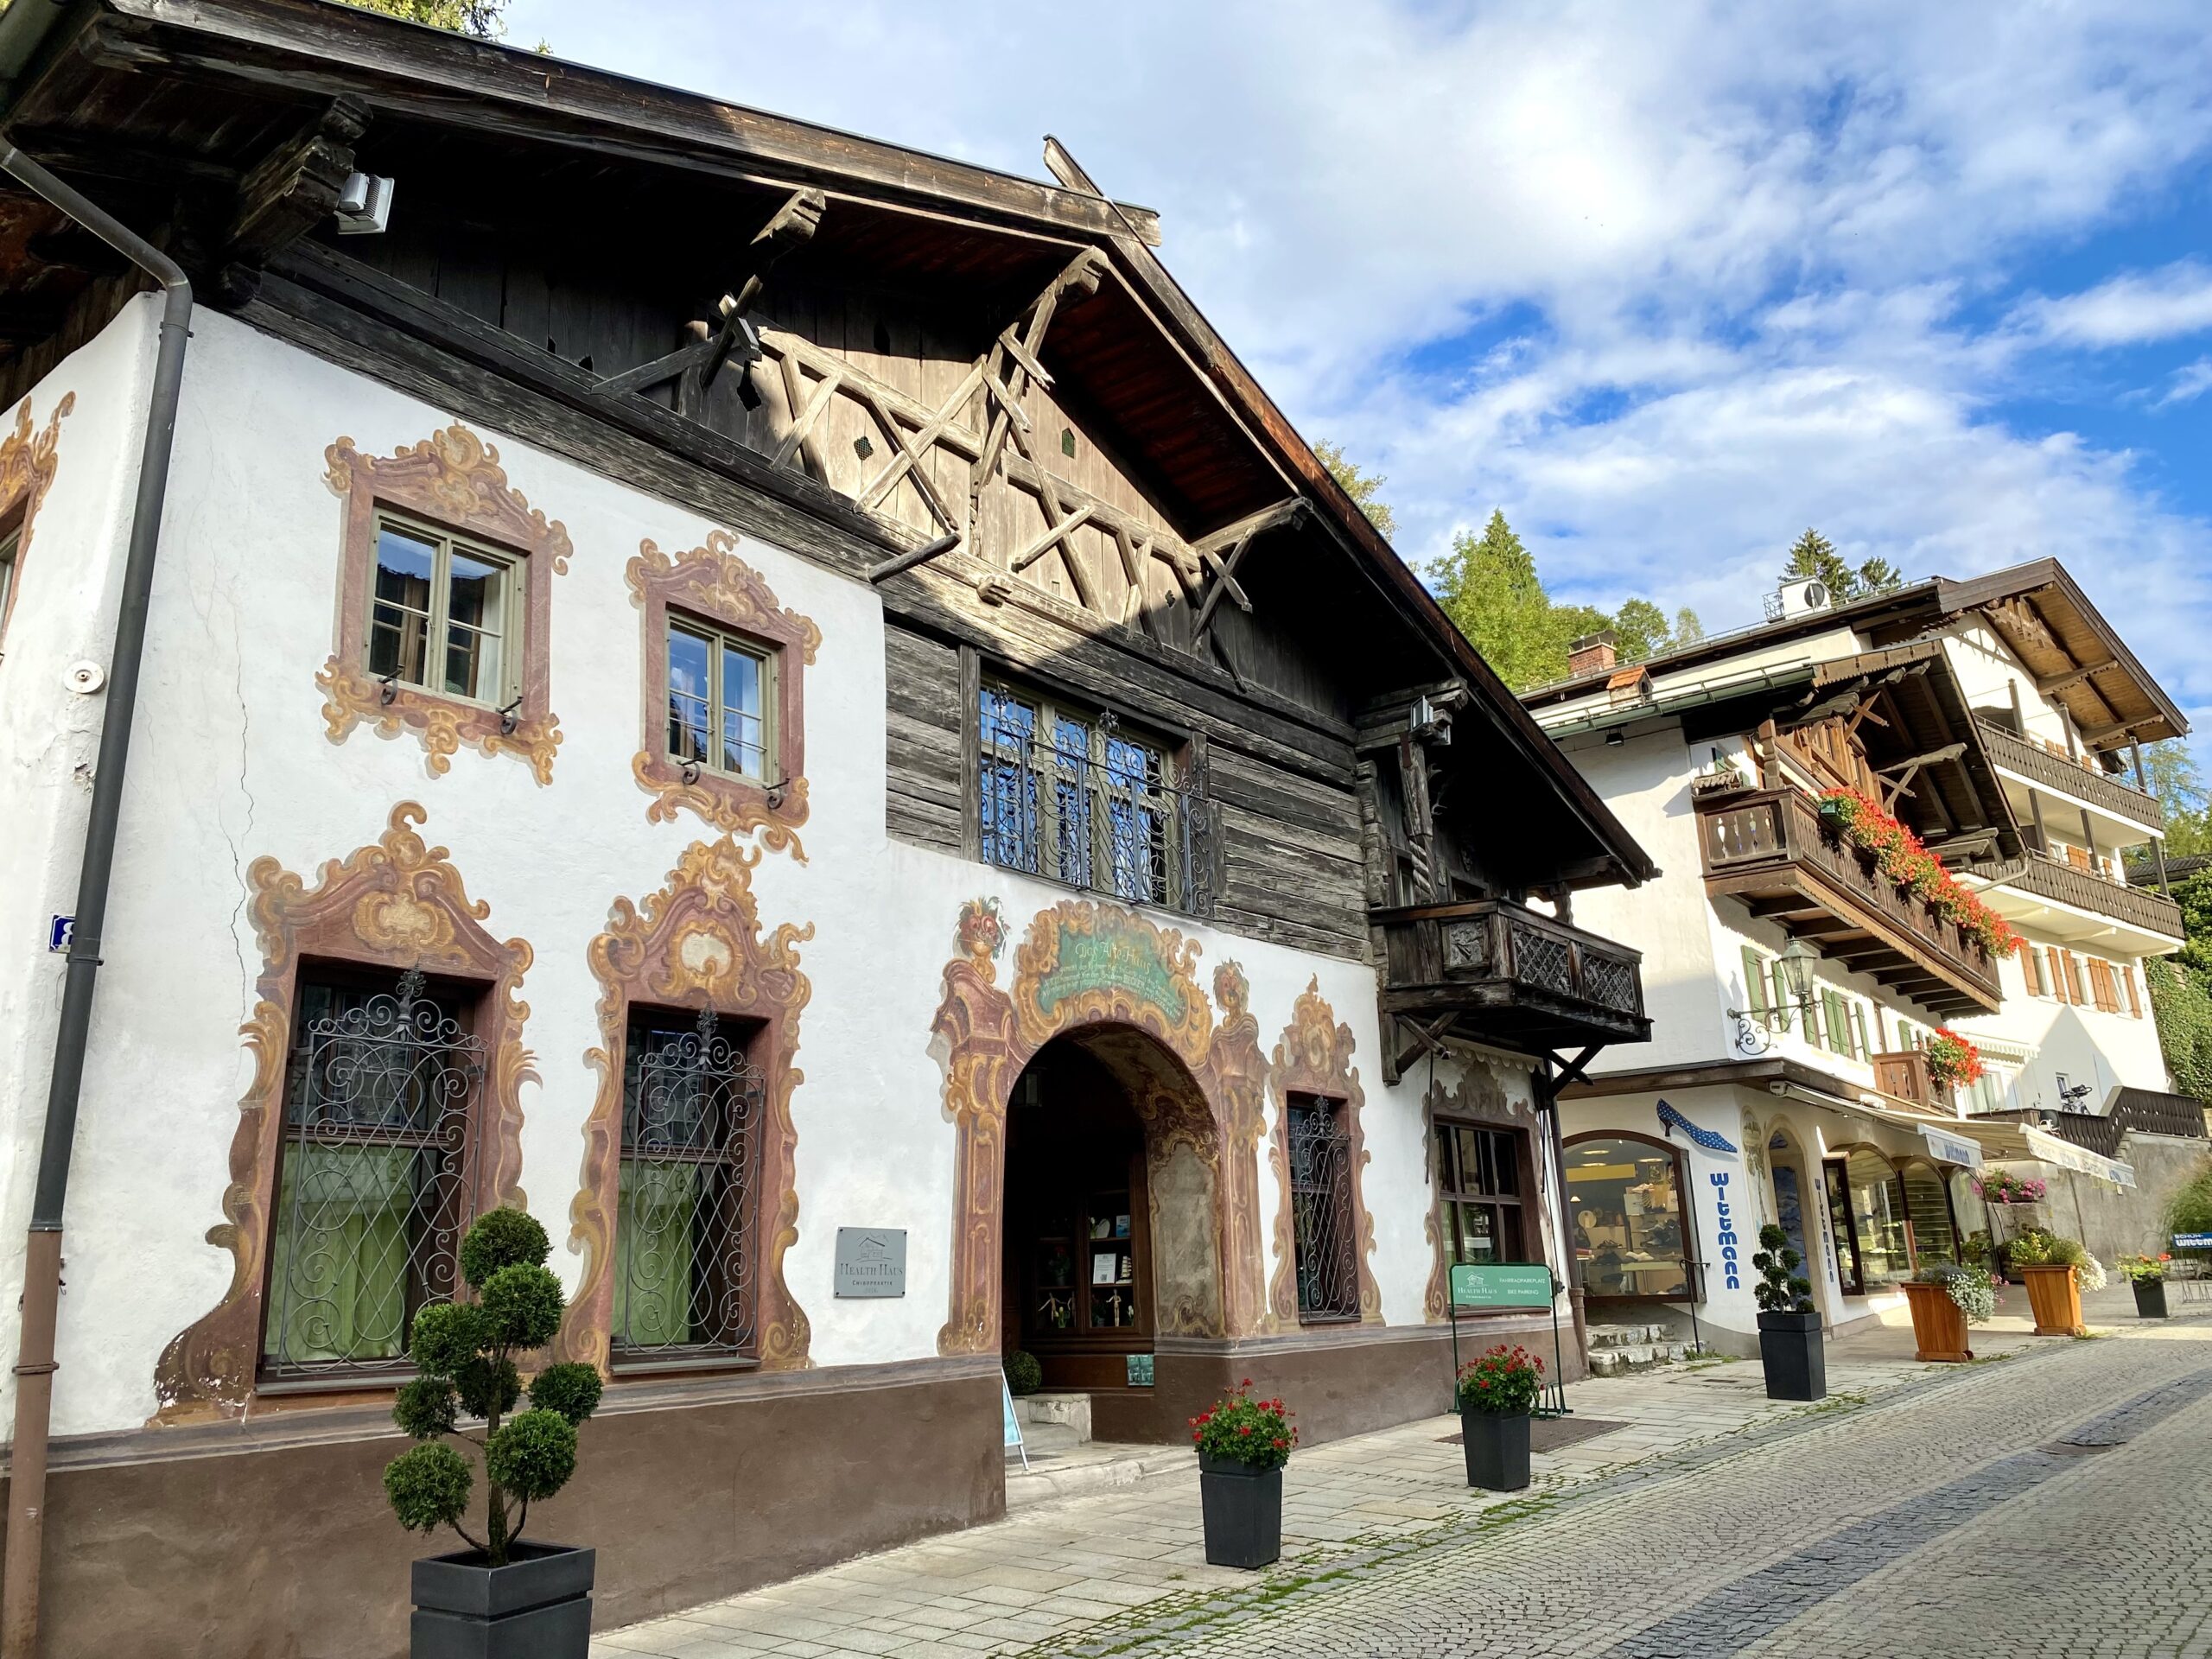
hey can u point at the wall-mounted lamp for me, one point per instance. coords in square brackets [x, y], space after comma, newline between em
[1755, 1028]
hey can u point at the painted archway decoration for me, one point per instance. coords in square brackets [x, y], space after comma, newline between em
[696, 942]
[1480, 1098]
[28, 462]
[1314, 1058]
[397, 903]
[1085, 967]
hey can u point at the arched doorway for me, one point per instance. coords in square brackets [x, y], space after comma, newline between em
[1111, 1237]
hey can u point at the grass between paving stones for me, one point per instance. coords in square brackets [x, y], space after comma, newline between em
[1175, 1617]
[1163, 1622]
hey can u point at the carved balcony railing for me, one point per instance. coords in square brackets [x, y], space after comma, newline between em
[2039, 765]
[1496, 972]
[1772, 849]
[2040, 876]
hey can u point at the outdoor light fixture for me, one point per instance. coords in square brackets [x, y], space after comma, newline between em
[1793, 972]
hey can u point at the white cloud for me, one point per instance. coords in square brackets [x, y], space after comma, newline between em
[1665, 283]
[2127, 310]
[2188, 382]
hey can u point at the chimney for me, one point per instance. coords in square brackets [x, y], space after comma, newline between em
[1592, 653]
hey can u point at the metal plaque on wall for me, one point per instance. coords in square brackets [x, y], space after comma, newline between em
[871, 1261]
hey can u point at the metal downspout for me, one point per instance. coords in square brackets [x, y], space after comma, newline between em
[34, 1366]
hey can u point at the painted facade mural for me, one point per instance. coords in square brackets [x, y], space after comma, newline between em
[711, 584]
[1313, 1059]
[1087, 966]
[451, 481]
[397, 904]
[27, 465]
[696, 943]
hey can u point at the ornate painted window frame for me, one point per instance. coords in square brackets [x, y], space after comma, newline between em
[1314, 1058]
[397, 903]
[696, 942]
[711, 584]
[1482, 1101]
[452, 479]
[28, 461]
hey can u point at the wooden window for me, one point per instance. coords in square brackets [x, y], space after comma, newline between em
[1478, 1187]
[2074, 991]
[1322, 1234]
[2104, 985]
[2134, 996]
[2031, 970]
[2078, 857]
[444, 614]
[721, 699]
[691, 1108]
[2054, 970]
[1835, 1023]
[376, 1170]
[1069, 793]
[9, 545]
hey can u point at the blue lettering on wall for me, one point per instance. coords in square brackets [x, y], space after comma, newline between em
[1730, 1273]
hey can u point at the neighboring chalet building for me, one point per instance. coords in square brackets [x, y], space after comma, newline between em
[785, 703]
[1999, 720]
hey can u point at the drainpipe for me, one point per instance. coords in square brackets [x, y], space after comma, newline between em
[19, 1577]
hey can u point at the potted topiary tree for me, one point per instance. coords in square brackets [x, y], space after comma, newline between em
[2146, 1276]
[2056, 1270]
[500, 1598]
[1946, 1299]
[1024, 1374]
[1789, 1327]
[1242, 1445]
[1497, 1392]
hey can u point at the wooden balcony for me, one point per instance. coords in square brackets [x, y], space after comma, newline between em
[2037, 762]
[1772, 849]
[2039, 877]
[1499, 973]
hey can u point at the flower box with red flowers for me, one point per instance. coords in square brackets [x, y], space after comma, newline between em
[1497, 1391]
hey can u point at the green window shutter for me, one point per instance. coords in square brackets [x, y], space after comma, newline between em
[1859, 1030]
[1755, 980]
[1838, 1028]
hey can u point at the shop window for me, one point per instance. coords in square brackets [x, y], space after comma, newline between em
[375, 1173]
[1321, 1209]
[1478, 1188]
[1927, 1206]
[683, 1282]
[1867, 1204]
[445, 614]
[720, 700]
[1624, 1214]
[1069, 793]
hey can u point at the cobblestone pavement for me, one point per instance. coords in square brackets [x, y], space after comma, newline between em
[2048, 1506]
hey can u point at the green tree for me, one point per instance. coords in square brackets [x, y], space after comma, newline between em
[1488, 585]
[484, 19]
[2183, 1008]
[2171, 770]
[1364, 487]
[1814, 555]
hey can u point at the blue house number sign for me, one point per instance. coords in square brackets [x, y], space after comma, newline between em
[57, 930]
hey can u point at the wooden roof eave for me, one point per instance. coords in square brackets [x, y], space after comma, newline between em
[2044, 584]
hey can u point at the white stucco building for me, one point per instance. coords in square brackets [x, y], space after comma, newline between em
[1996, 719]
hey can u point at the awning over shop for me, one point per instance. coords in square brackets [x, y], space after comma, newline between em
[2007, 1142]
[1940, 1136]
[1946, 1148]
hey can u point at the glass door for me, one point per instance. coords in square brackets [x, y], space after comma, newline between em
[1835, 1176]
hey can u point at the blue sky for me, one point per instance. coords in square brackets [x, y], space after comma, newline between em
[1666, 283]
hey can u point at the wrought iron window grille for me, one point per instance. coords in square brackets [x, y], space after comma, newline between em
[376, 1177]
[683, 1258]
[1069, 798]
[1327, 1265]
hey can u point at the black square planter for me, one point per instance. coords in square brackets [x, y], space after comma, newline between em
[1796, 1361]
[1243, 1512]
[1496, 1445]
[537, 1607]
[2150, 1299]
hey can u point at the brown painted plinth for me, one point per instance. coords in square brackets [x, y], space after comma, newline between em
[1341, 1380]
[214, 1542]
[2055, 1300]
[1939, 1327]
